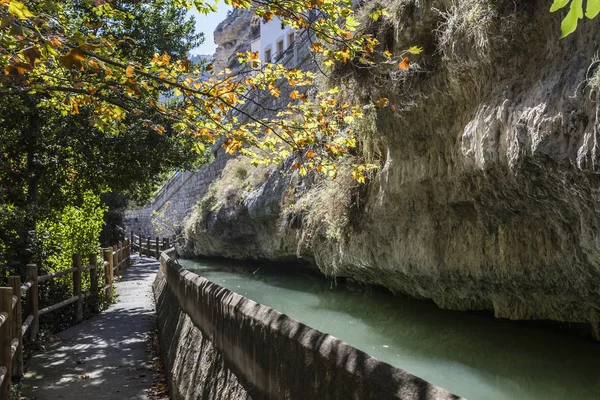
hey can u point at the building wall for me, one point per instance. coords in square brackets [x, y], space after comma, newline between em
[270, 33]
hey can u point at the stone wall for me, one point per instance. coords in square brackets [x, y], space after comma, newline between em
[164, 216]
[217, 344]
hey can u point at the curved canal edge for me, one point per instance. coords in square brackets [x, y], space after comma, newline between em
[217, 344]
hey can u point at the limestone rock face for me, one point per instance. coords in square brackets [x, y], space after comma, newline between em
[233, 35]
[489, 191]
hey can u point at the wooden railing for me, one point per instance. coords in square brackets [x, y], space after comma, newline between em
[149, 246]
[12, 326]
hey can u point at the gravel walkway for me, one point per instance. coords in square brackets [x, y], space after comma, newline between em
[108, 356]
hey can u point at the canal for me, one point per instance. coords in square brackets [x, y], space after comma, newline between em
[475, 356]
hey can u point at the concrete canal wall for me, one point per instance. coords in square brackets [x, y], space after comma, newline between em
[217, 344]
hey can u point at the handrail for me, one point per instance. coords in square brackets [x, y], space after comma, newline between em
[26, 287]
[3, 318]
[13, 328]
[53, 275]
[56, 306]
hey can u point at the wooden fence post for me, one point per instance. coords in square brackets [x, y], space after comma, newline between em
[77, 287]
[168, 245]
[148, 247]
[32, 300]
[115, 261]
[157, 248]
[6, 339]
[140, 245]
[108, 257]
[17, 367]
[94, 282]
[131, 242]
[127, 253]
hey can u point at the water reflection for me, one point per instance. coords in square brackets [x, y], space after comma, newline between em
[474, 356]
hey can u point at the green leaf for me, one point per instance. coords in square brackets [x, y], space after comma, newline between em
[415, 50]
[569, 24]
[376, 14]
[19, 10]
[558, 4]
[592, 9]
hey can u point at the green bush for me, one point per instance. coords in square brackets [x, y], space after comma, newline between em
[71, 231]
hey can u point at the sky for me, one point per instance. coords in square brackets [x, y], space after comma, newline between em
[207, 24]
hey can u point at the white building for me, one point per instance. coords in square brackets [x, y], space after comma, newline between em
[274, 41]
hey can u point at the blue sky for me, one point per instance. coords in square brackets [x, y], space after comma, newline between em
[207, 24]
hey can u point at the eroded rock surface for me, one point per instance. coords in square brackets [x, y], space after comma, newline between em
[489, 189]
[234, 35]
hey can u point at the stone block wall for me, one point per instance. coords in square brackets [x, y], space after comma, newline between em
[165, 215]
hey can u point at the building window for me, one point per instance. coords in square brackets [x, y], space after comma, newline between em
[280, 49]
[268, 55]
[291, 38]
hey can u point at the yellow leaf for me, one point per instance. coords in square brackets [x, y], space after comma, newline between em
[317, 47]
[383, 102]
[415, 50]
[130, 71]
[19, 10]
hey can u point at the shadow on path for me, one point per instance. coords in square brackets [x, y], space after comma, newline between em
[107, 356]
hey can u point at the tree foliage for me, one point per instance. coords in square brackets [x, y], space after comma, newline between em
[65, 52]
[72, 230]
[569, 23]
[52, 159]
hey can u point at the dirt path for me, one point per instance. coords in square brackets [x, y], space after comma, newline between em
[106, 357]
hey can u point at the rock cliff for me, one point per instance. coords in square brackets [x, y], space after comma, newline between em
[234, 35]
[488, 193]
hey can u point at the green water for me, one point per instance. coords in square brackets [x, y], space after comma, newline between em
[474, 356]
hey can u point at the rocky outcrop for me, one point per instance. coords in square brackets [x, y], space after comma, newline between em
[488, 193]
[234, 35]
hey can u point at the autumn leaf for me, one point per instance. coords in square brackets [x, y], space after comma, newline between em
[415, 50]
[383, 102]
[345, 55]
[32, 54]
[130, 71]
[317, 47]
[73, 59]
[404, 64]
[358, 176]
[55, 41]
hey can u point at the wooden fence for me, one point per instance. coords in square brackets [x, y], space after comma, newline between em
[12, 326]
[149, 246]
